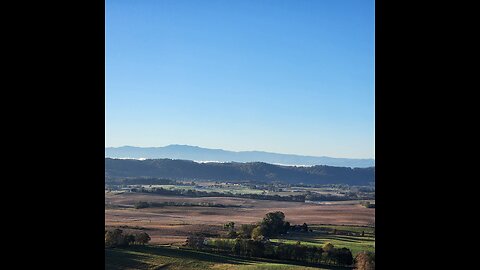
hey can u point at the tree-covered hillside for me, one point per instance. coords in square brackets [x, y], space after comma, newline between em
[253, 171]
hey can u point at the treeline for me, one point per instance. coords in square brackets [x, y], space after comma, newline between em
[327, 254]
[252, 240]
[119, 238]
[291, 198]
[199, 193]
[234, 171]
[142, 181]
[343, 232]
[140, 205]
[310, 196]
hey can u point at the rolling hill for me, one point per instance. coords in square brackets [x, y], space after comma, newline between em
[234, 171]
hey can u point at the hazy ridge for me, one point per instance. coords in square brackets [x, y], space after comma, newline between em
[196, 153]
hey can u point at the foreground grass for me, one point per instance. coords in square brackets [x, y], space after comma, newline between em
[162, 257]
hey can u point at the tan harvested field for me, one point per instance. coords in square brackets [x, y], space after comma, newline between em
[171, 224]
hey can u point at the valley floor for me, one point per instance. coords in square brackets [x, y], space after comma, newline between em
[171, 224]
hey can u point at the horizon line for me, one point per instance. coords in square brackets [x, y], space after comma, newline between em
[239, 151]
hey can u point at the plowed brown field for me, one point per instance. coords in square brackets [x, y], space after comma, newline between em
[172, 224]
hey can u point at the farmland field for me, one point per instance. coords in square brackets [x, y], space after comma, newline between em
[208, 187]
[172, 224]
[169, 219]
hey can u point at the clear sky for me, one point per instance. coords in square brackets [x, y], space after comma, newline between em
[293, 76]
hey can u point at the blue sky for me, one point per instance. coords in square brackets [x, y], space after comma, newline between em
[282, 76]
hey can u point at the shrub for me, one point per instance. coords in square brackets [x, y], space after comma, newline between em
[342, 256]
[365, 261]
[140, 205]
[142, 238]
[195, 241]
[118, 238]
[246, 231]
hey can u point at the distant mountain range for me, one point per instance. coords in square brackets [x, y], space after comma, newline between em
[196, 153]
[233, 171]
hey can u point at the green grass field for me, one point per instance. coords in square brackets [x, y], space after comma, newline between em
[354, 243]
[162, 257]
[356, 229]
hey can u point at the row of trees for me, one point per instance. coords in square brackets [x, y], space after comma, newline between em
[139, 181]
[119, 238]
[198, 193]
[327, 254]
[141, 204]
[308, 196]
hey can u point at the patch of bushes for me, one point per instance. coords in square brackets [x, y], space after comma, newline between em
[368, 205]
[199, 193]
[119, 238]
[365, 261]
[140, 205]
